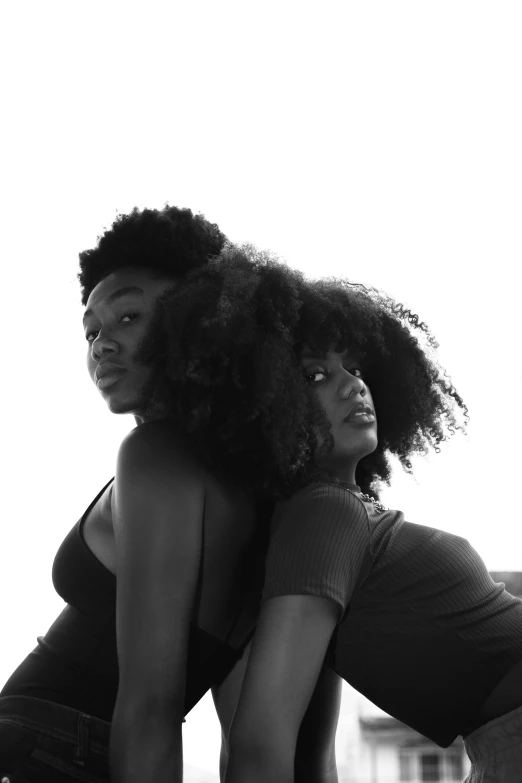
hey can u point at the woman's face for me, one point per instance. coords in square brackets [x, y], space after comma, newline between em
[117, 316]
[337, 379]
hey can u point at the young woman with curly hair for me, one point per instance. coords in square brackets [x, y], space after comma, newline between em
[160, 575]
[131, 570]
[341, 376]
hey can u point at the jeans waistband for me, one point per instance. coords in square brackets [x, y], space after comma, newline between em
[57, 720]
[494, 737]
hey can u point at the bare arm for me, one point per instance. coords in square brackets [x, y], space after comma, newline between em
[158, 504]
[226, 698]
[292, 636]
[315, 753]
[315, 760]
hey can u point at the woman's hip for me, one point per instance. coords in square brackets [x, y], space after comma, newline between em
[44, 742]
[495, 750]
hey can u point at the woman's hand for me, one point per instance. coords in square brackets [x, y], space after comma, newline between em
[157, 508]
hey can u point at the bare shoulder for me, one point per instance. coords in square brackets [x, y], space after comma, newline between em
[157, 481]
[157, 463]
[158, 460]
[156, 442]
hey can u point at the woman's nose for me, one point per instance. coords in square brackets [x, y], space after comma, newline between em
[103, 345]
[350, 386]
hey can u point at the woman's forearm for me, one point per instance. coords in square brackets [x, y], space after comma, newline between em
[260, 765]
[257, 768]
[258, 772]
[277, 763]
[146, 748]
[305, 773]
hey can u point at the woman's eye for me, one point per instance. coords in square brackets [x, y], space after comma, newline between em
[125, 318]
[309, 376]
[130, 316]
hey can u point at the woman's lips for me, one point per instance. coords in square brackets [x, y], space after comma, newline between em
[360, 415]
[360, 418]
[109, 379]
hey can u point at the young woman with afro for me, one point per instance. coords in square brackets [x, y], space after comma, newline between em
[159, 575]
[317, 383]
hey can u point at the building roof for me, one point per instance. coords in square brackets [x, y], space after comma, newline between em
[512, 580]
[388, 729]
[382, 723]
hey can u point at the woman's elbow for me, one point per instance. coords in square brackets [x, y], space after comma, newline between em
[138, 712]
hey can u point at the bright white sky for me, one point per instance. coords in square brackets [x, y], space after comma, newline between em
[377, 140]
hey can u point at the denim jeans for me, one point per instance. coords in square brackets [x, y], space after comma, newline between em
[495, 750]
[43, 742]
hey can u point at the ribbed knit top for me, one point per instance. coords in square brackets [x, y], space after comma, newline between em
[424, 631]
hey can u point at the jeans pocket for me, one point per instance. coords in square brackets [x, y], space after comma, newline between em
[45, 767]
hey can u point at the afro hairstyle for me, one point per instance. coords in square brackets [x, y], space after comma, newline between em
[169, 242]
[226, 348]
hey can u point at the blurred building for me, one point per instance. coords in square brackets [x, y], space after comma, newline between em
[194, 775]
[373, 747]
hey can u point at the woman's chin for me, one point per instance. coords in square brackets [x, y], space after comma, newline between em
[342, 458]
[120, 405]
[366, 444]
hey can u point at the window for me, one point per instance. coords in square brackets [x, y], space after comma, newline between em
[406, 766]
[427, 765]
[430, 767]
[454, 766]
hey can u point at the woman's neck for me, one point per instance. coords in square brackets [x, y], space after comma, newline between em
[342, 470]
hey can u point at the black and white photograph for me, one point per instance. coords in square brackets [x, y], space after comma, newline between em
[261, 383]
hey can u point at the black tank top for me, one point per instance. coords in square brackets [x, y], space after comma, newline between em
[75, 663]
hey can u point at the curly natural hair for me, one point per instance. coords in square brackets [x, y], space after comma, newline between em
[226, 348]
[171, 242]
[416, 404]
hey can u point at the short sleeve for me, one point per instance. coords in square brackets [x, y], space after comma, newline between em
[319, 541]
